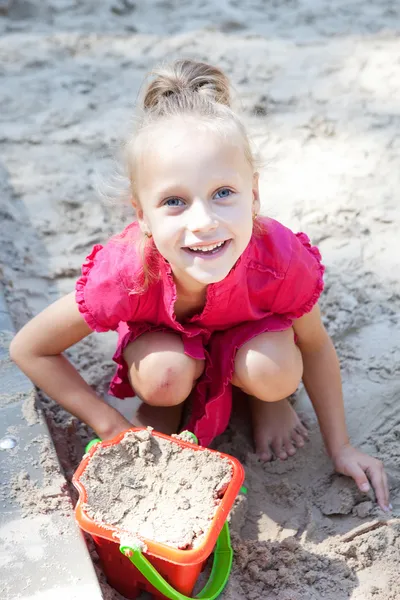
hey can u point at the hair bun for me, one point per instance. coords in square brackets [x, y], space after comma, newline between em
[187, 78]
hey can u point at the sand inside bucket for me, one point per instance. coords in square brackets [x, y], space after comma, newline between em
[155, 489]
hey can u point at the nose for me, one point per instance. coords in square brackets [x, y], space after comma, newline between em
[201, 217]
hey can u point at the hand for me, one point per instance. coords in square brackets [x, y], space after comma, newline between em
[361, 467]
[112, 427]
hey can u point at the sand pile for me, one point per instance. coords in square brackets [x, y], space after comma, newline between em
[47, 496]
[155, 489]
[319, 85]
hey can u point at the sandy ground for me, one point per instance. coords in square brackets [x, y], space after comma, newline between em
[319, 85]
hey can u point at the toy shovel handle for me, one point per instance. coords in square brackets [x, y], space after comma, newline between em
[223, 555]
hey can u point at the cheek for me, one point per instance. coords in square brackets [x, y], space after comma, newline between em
[243, 230]
[165, 233]
[242, 222]
[239, 212]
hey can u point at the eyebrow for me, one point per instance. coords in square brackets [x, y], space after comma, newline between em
[221, 180]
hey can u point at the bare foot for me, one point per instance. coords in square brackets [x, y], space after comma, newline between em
[165, 419]
[277, 429]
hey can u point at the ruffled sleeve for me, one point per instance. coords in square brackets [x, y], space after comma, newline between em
[102, 298]
[303, 282]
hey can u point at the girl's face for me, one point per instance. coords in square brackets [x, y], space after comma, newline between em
[197, 195]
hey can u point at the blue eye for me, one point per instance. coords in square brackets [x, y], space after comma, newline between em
[174, 202]
[225, 192]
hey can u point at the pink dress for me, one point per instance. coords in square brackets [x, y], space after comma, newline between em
[278, 278]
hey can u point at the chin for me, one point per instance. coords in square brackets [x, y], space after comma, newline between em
[207, 278]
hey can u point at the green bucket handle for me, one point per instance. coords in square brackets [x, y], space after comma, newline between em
[91, 444]
[222, 565]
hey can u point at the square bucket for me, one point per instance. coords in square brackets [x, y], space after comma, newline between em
[162, 570]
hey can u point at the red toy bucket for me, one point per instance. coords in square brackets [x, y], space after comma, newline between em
[163, 571]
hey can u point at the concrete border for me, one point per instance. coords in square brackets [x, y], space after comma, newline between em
[42, 556]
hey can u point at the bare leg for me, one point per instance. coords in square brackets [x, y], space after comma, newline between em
[163, 377]
[269, 368]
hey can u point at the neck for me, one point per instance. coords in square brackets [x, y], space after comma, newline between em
[185, 286]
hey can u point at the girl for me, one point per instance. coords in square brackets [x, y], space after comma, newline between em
[204, 293]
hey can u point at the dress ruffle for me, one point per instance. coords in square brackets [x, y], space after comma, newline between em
[319, 283]
[80, 290]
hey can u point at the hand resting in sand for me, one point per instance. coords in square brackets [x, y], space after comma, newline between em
[364, 469]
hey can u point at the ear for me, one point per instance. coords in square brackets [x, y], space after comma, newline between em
[256, 194]
[140, 216]
[136, 207]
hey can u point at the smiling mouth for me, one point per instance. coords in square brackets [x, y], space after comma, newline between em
[209, 250]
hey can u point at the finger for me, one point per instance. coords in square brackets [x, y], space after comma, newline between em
[387, 490]
[297, 439]
[290, 449]
[359, 476]
[375, 473]
[278, 449]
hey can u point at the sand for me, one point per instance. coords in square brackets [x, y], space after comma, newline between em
[319, 84]
[156, 490]
[48, 496]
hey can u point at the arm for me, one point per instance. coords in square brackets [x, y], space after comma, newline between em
[37, 350]
[322, 380]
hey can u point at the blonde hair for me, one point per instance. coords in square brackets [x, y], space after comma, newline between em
[185, 88]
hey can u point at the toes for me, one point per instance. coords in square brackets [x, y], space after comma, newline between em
[302, 430]
[266, 456]
[263, 450]
[279, 450]
[297, 439]
[290, 449]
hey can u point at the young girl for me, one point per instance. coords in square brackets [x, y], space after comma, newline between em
[204, 293]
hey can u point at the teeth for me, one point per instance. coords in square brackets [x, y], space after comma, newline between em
[206, 248]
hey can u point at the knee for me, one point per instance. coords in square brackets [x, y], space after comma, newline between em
[277, 381]
[269, 378]
[167, 386]
[163, 384]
